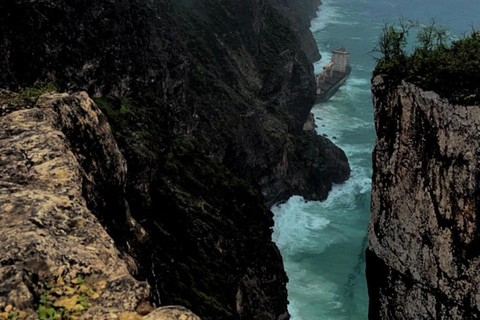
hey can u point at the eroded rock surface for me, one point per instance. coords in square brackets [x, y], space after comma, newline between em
[47, 231]
[207, 101]
[423, 257]
[52, 243]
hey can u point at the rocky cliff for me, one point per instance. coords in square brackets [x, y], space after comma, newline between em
[233, 76]
[300, 13]
[423, 257]
[206, 101]
[60, 171]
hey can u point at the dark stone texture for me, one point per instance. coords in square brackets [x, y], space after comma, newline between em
[198, 94]
[231, 75]
[300, 13]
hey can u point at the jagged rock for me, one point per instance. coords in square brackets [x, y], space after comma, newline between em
[199, 93]
[309, 125]
[423, 259]
[233, 75]
[63, 180]
[48, 234]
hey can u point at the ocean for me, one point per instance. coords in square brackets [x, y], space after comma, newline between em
[323, 243]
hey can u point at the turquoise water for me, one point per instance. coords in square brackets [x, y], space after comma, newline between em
[323, 243]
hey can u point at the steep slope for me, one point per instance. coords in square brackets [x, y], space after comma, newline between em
[300, 13]
[207, 101]
[60, 171]
[230, 75]
[423, 259]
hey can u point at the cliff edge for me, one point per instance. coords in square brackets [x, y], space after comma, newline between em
[423, 257]
[232, 76]
[59, 158]
[206, 101]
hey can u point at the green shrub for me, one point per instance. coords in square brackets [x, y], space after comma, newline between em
[450, 68]
[31, 94]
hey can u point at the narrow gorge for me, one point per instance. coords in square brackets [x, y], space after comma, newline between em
[143, 180]
[165, 160]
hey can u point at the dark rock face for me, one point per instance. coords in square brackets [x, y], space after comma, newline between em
[198, 94]
[103, 47]
[206, 240]
[231, 75]
[300, 13]
[423, 258]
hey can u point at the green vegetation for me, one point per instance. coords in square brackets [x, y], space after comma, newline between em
[66, 300]
[450, 68]
[27, 96]
[134, 120]
[31, 94]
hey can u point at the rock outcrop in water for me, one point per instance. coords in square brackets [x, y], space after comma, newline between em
[198, 94]
[423, 259]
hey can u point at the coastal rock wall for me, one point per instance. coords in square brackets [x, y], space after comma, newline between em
[206, 245]
[300, 13]
[423, 259]
[207, 102]
[231, 75]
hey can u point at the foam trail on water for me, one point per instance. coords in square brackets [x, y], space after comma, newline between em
[294, 225]
[327, 14]
[321, 241]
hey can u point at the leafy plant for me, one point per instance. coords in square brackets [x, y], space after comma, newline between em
[83, 301]
[79, 280]
[434, 62]
[63, 300]
[31, 94]
[42, 312]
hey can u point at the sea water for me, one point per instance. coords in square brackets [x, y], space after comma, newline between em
[323, 243]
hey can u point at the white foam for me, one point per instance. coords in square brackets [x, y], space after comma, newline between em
[309, 287]
[307, 229]
[353, 81]
[328, 14]
[305, 226]
[295, 224]
[333, 123]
